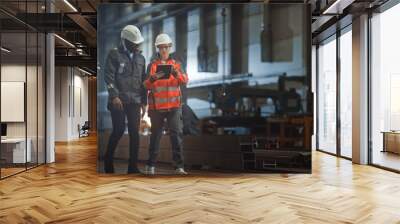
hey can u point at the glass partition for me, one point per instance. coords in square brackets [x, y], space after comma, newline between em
[41, 97]
[14, 145]
[32, 97]
[22, 89]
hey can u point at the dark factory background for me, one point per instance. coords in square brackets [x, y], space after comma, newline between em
[248, 103]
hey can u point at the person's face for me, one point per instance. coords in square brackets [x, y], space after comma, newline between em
[130, 46]
[164, 50]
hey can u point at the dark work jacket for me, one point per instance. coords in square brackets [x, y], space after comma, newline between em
[124, 76]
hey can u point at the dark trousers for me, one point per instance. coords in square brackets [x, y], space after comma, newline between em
[132, 113]
[174, 121]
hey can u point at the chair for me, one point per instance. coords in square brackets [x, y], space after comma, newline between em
[84, 130]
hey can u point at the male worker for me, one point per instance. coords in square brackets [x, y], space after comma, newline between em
[165, 103]
[124, 74]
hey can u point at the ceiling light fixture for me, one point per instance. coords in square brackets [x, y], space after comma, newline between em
[84, 71]
[65, 41]
[5, 50]
[70, 5]
[337, 7]
[331, 7]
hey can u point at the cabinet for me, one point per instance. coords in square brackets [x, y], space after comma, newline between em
[391, 142]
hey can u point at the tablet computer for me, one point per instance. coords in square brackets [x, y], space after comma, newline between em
[166, 69]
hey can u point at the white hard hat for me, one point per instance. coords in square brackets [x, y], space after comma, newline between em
[163, 39]
[132, 34]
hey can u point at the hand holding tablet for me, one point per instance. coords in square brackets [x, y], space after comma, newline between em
[165, 70]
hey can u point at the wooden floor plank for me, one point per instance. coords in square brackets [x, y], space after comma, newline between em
[71, 191]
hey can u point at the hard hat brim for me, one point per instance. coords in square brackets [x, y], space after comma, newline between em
[139, 41]
[163, 43]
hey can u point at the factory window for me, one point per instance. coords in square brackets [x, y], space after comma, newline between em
[276, 34]
[207, 51]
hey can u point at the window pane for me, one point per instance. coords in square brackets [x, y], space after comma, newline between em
[346, 94]
[327, 97]
[385, 84]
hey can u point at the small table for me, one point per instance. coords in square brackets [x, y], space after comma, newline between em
[14, 150]
[391, 141]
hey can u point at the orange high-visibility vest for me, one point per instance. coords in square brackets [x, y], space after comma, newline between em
[165, 94]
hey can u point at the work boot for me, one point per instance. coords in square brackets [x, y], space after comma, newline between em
[149, 170]
[180, 171]
[133, 169]
[108, 166]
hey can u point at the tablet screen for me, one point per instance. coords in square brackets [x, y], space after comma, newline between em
[167, 69]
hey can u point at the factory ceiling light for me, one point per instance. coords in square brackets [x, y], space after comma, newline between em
[5, 50]
[84, 71]
[70, 5]
[337, 7]
[65, 41]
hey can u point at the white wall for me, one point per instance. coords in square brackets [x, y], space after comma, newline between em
[71, 94]
[13, 73]
[61, 103]
[16, 73]
[80, 100]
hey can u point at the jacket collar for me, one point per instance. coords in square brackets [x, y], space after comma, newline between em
[157, 57]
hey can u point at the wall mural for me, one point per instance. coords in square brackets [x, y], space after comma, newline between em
[192, 88]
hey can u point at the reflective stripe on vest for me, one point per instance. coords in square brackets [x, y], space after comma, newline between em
[164, 106]
[165, 88]
[167, 100]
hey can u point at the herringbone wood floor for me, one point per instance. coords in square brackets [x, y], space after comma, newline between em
[70, 191]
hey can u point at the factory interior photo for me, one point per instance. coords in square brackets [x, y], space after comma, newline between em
[177, 111]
